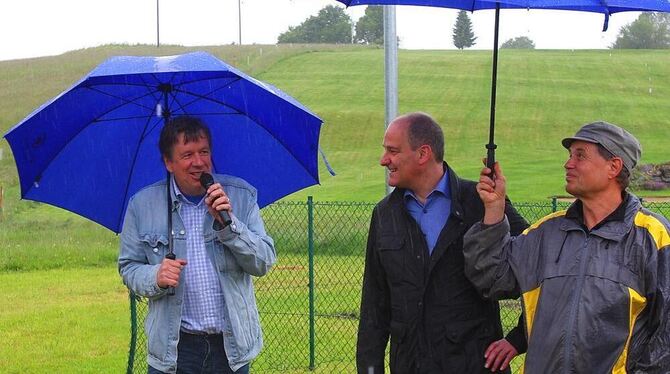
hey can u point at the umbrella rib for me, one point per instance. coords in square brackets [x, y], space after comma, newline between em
[236, 78]
[288, 149]
[124, 101]
[119, 220]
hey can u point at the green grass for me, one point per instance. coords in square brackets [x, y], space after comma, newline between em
[66, 309]
[543, 96]
[63, 321]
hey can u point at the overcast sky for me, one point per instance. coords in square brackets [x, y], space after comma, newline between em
[31, 28]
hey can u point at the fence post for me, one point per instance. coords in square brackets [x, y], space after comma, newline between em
[310, 249]
[133, 332]
[554, 204]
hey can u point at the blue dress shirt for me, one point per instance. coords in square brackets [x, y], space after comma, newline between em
[433, 215]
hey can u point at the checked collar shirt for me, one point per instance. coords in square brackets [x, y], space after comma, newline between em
[203, 308]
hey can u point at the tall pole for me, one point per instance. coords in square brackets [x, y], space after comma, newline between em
[390, 70]
[158, 29]
[239, 20]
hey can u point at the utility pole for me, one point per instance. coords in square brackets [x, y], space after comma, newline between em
[390, 70]
[239, 20]
[158, 29]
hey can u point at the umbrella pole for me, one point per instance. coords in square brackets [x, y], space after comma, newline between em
[491, 146]
[165, 113]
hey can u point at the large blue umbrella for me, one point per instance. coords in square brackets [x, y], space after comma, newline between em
[93, 146]
[605, 7]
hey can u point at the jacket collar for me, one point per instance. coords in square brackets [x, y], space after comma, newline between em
[396, 198]
[614, 226]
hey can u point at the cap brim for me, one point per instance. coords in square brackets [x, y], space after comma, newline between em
[567, 142]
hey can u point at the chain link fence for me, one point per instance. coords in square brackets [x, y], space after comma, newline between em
[309, 302]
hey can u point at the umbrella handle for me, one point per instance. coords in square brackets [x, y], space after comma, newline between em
[171, 256]
[491, 158]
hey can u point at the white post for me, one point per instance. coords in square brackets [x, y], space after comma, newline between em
[390, 70]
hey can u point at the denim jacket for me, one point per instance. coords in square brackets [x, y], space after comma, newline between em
[238, 251]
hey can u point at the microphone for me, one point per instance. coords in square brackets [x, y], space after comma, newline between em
[207, 180]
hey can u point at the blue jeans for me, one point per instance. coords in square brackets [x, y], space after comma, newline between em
[202, 354]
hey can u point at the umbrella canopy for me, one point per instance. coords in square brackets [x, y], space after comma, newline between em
[92, 147]
[598, 6]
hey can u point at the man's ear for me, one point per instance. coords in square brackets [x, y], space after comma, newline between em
[615, 167]
[168, 164]
[425, 153]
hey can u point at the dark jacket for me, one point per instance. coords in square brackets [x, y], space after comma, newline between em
[437, 321]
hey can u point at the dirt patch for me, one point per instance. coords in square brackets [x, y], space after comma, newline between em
[646, 199]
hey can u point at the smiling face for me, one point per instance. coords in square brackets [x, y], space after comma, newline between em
[587, 173]
[187, 162]
[398, 157]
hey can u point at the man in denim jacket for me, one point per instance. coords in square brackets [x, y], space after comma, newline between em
[211, 322]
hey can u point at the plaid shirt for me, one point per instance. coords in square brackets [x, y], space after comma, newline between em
[203, 308]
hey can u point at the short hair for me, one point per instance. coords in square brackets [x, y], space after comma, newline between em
[623, 178]
[193, 129]
[422, 130]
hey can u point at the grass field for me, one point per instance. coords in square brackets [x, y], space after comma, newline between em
[66, 309]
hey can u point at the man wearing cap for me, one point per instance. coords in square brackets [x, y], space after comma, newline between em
[595, 278]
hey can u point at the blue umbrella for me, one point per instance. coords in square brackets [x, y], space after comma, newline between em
[606, 7]
[93, 146]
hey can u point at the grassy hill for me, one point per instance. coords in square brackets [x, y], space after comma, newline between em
[543, 96]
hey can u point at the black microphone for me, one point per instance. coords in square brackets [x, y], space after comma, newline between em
[207, 180]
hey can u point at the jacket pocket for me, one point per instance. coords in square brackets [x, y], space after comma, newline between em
[155, 246]
[392, 256]
[399, 356]
[156, 330]
[461, 347]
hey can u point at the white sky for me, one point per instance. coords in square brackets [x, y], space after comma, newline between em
[31, 28]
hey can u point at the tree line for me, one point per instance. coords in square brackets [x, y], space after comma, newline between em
[332, 25]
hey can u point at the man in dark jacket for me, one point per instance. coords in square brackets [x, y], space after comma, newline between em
[414, 287]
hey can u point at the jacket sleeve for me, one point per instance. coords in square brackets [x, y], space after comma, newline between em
[516, 222]
[486, 249]
[655, 357]
[246, 238]
[134, 267]
[517, 337]
[374, 323]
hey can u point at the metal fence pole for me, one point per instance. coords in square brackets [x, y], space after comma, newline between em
[554, 204]
[310, 249]
[133, 332]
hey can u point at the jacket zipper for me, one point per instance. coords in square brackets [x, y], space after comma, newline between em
[575, 304]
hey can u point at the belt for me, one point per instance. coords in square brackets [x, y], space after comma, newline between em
[200, 333]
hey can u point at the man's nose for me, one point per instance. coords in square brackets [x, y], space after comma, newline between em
[198, 160]
[383, 161]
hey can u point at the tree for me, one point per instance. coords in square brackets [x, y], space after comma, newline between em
[648, 31]
[463, 35]
[370, 27]
[331, 25]
[520, 42]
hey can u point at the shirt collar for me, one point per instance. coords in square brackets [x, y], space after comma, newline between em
[576, 211]
[442, 187]
[180, 195]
